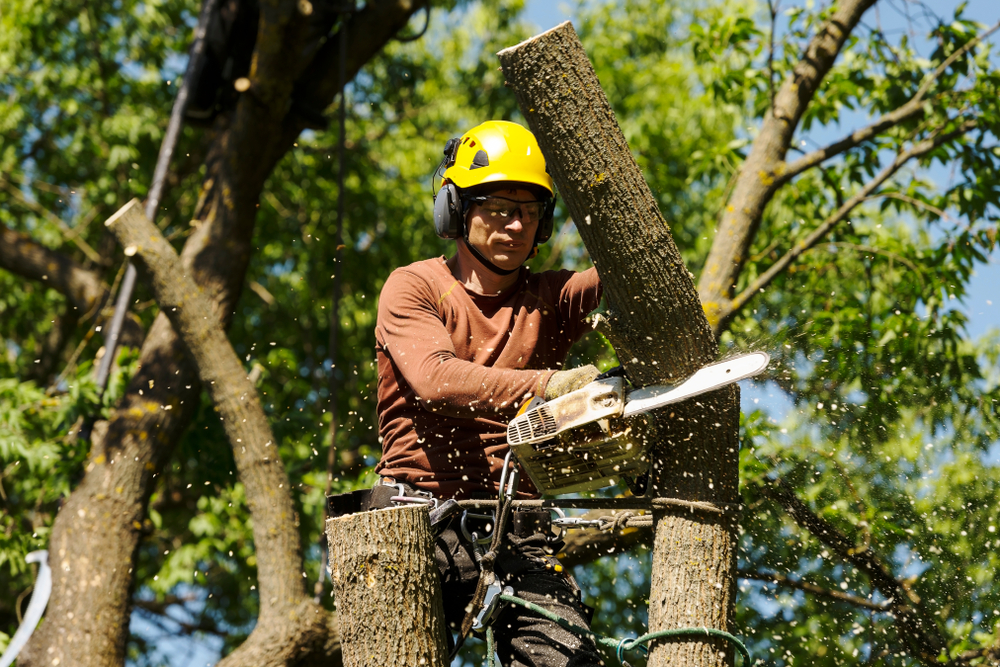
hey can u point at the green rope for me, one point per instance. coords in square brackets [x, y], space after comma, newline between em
[490, 648]
[618, 646]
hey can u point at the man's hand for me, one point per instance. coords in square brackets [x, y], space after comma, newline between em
[563, 382]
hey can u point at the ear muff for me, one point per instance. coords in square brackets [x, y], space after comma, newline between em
[448, 213]
[545, 223]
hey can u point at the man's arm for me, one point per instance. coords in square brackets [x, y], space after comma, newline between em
[412, 333]
[579, 296]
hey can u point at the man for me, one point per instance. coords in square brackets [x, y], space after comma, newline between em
[461, 343]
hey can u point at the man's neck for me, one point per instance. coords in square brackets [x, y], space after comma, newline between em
[475, 277]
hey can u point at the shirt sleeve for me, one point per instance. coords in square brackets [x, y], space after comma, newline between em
[579, 296]
[411, 331]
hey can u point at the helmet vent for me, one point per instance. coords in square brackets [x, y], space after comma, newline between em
[481, 160]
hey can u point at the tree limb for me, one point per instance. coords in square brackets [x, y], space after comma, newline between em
[913, 107]
[916, 626]
[367, 32]
[728, 309]
[756, 185]
[71, 234]
[807, 587]
[21, 255]
[283, 599]
[662, 334]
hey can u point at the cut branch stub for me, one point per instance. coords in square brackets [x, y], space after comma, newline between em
[604, 190]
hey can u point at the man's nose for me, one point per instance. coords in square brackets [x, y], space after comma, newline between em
[515, 224]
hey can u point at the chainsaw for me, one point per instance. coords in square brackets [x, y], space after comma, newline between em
[584, 440]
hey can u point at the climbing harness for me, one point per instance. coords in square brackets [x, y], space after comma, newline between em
[491, 594]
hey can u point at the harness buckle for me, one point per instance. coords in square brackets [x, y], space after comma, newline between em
[491, 604]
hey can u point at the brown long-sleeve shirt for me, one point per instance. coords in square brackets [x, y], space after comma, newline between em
[453, 366]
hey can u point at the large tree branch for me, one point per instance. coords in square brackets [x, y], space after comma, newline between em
[367, 31]
[728, 309]
[662, 335]
[913, 107]
[756, 185]
[283, 598]
[21, 255]
[916, 626]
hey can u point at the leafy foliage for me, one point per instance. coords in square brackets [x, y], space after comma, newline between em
[892, 427]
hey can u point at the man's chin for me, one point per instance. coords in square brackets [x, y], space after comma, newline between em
[509, 262]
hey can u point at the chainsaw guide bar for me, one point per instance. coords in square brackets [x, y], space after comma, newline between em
[580, 441]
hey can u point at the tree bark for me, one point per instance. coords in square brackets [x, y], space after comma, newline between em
[659, 331]
[21, 255]
[284, 608]
[97, 532]
[387, 588]
[760, 176]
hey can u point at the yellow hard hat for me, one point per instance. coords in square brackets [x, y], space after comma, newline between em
[497, 151]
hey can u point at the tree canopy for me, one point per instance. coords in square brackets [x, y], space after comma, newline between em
[868, 534]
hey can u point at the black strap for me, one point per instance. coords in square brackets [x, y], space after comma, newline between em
[487, 575]
[485, 262]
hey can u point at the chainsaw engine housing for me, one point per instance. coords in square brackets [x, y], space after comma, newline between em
[575, 442]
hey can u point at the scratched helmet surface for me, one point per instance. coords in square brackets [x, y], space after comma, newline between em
[498, 151]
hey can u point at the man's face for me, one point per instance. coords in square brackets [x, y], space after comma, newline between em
[502, 231]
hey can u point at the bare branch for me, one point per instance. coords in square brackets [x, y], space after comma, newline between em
[260, 469]
[286, 612]
[71, 234]
[817, 235]
[833, 594]
[21, 255]
[990, 653]
[156, 608]
[913, 107]
[914, 201]
[915, 625]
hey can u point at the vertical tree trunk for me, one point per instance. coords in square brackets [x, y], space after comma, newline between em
[659, 331]
[387, 589]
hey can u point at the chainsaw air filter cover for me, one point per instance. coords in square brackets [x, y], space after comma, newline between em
[576, 442]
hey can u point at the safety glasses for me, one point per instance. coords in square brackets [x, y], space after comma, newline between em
[507, 208]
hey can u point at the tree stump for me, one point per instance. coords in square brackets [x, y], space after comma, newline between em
[386, 587]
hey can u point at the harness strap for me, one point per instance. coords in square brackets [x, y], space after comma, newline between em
[488, 576]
